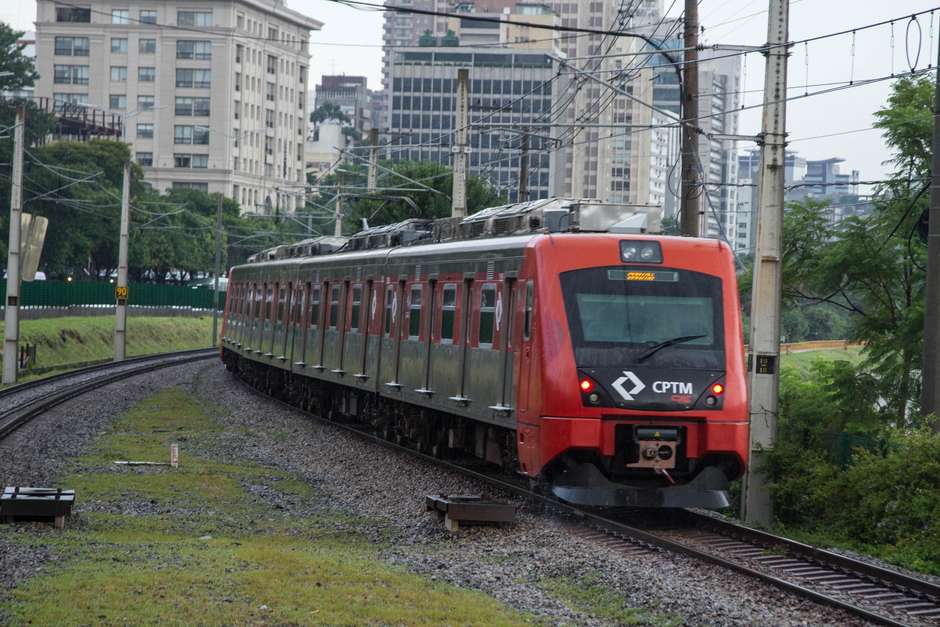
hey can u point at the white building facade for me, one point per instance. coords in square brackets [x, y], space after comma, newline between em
[213, 94]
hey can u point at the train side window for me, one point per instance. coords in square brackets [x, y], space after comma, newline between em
[389, 308]
[414, 315]
[487, 314]
[334, 306]
[315, 307]
[529, 307]
[448, 313]
[356, 306]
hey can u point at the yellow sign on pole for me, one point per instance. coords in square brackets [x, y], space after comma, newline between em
[120, 293]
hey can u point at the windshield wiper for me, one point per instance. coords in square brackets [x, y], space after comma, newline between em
[658, 347]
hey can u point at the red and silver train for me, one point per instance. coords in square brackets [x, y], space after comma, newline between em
[606, 366]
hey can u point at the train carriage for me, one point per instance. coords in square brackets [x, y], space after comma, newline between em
[607, 366]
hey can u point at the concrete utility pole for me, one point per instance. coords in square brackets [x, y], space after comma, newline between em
[11, 343]
[120, 292]
[458, 206]
[373, 179]
[930, 389]
[215, 273]
[692, 190]
[523, 194]
[763, 360]
[338, 211]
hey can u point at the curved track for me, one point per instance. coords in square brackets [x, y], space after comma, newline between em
[26, 401]
[870, 592]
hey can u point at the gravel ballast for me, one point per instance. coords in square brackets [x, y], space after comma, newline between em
[383, 492]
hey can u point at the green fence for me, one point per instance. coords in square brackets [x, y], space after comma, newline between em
[78, 293]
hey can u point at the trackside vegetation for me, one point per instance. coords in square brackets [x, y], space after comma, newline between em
[193, 545]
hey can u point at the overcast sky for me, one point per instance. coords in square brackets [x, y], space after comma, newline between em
[725, 22]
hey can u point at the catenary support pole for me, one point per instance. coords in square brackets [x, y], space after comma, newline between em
[930, 388]
[216, 271]
[373, 179]
[120, 292]
[523, 194]
[11, 342]
[338, 210]
[764, 346]
[458, 207]
[692, 190]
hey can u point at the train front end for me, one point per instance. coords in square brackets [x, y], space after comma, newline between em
[636, 394]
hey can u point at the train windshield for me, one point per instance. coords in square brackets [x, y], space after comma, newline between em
[656, 317]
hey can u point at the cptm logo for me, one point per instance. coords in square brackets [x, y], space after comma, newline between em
[629, 379]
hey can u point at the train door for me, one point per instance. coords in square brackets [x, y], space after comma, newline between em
[263, 314]
[313, 354]
[386, 366]
[504, 326]
[342, 324]
[285, 307]
[398, 303]
[429, 337]
[466, 326]
[297, 333]
[366, 328]
[525, 352]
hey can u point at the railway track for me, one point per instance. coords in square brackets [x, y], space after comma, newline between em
[870, 592]
[23, 402]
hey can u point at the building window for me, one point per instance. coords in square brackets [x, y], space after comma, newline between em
[73, 14]
[269, 118]
[118, 73]
[194, 18]
[240, 21]
[120, 16]
[145, 159]
[145, 103]
[144, 130]
[191, 161]
[148, 16]
[71, 46]
[183, 135]
[194, 49]
[203, 187]
[70, 74]
[117, 101]
[270, 92]
[193, 78]
[201, 135]
[119, 45]
[147, 46]
[272, 64]
[62, 101]
[146, 74]
[186, 105]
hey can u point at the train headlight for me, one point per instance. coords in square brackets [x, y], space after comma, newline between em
[642, 252]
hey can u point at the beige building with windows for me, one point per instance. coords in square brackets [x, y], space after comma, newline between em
[213, 93]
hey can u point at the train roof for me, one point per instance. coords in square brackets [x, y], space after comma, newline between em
[494, 228]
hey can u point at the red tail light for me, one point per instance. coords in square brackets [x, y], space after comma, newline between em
[718, 389]
[586, 385]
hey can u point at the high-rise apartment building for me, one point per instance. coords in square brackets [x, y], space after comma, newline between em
[510, 92]
[350, 94]
[213, 94]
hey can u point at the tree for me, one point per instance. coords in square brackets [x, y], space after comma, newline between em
[329, 111]
[13, 60]
[872, 268]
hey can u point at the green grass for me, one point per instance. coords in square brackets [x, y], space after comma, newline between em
[804, 360]
[224, 557]
[586, 595]
[73, 340]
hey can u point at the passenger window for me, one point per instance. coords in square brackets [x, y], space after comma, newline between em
[315, 307]
[414, 317]
[389, 308]
[334, 306]
[448, 313]
[356, 305]
[487, 314]
[529, 306]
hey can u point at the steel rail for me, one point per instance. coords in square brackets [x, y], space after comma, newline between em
[16, 417]
[610, 526]
[84, 370]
